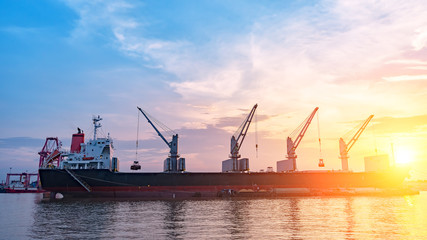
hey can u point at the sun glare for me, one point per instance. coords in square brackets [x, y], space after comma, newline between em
[403, 156]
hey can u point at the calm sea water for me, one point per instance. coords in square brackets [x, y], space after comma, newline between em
[25, 216]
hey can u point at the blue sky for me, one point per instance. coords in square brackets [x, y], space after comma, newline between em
[199, 66]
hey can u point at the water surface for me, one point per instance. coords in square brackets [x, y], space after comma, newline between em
[25, 216]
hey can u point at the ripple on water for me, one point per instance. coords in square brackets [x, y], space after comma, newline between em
[24, 216]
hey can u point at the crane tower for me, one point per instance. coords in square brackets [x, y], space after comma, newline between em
[345, 147]
[173, 163]
[236, 143]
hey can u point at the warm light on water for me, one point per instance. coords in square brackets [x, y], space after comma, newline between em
[23, 216]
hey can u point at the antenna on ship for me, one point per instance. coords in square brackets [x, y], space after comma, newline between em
[96, 125]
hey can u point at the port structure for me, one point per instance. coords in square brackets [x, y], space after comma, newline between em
[292, 145]
[21, 183]
[345, 147]
[239, 136]
[173, 163]
[50, 155]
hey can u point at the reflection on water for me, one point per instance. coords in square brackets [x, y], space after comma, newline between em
[174, 218]
[235, 214]
[294, 218]
[72, 219]
[24, 216]
[349, 218]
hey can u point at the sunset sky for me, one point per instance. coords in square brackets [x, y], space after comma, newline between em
[200, 66]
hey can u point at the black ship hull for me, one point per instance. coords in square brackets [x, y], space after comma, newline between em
[104, 183]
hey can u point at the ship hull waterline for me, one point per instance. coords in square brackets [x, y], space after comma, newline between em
[12, 190]
[107, 184]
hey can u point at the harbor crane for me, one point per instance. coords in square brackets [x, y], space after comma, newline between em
[173, 163]
[51, 154]
[345, 147]
[239, 136]
[293, 144]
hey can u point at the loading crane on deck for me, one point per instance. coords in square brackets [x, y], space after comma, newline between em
[345, 147]
[239, 136]
[173, 163]
[292, 145]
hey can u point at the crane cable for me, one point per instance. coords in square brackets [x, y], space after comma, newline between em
[375, 140]
[137, 139]
[166, 129]
[318, 134]
[256, 134]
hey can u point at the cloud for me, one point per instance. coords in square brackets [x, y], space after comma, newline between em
[235, 122]
[412, 64]
[221, 85]
[332, 47]
[407, 61]
[19, 154]
[409, 125]
[7, 143]
[420, 40]
[406, 78]
[100, 18]
[123, 26]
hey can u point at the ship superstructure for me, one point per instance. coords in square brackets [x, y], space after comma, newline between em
[97, 153]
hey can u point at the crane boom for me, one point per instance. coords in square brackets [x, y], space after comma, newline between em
[239, 136]
[171, 163]
[345, 147]
[292, 145]
[151, 123]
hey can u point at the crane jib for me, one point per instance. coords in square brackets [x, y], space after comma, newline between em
[158, 132]
[236, 142]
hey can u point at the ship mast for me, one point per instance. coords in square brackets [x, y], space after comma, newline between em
[96, 125]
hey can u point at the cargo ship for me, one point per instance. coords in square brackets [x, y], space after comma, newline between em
[109, 184]
[90, 170]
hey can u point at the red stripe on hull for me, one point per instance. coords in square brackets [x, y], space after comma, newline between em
[10, 190]
[160, 191]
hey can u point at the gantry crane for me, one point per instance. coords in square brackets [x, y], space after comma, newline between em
[345, 147]
[293, 144]
[239, 136]
[173, 163]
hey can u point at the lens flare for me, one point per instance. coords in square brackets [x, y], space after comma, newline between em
[403, 156]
